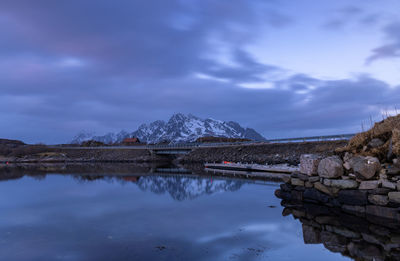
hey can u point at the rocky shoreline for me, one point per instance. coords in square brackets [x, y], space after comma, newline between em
[362, 178]
[357, 184]
[360, 238]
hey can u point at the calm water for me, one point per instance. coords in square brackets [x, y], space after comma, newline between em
[68, 217]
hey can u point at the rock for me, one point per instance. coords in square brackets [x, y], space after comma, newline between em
[298, 213]
[372, 184]
[394, 197]
[314, 179]
[286, 212]
[366, 252]
[380, 191]
[311, 235]
[315, 195]
[330, 191]
[379, 230]
[330, 167]
[347, 165]
[327, 220]
[342, 231]
[388, 184]
[308, 184]
[353, 197]
[341, 183]
[286, 187]
[297, 195]
[300, 176]
[352, 176]
[333, 242]
[380, 200]
[375, 143]
[385, 212]
[297, 182]
[393, 171]
[286, 178]
[365, 167]
[372, 238]
[309, 164]
[347, 156]
[354, 209]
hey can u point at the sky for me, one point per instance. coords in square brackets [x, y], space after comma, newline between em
[285, 68]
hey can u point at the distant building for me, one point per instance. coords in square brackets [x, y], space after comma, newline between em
[131, 141]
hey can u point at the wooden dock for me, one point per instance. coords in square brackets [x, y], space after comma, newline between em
[253, 171]
[273, 176]
[251, 167]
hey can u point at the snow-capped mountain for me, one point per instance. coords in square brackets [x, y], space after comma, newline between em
[184, 188]
[179, 128]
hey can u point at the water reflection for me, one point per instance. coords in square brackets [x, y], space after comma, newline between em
[131, 216]
[362, 239]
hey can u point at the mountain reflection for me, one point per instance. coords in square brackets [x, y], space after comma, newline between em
[362, 239]
[184, 187]
[179, 187]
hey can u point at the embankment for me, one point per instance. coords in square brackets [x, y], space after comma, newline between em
[273, 153]
[363, 178]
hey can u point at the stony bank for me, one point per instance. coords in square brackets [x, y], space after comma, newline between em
[362, 178]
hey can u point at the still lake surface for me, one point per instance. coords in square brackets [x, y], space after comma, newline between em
[170, 217]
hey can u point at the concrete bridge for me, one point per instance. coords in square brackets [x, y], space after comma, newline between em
[185, 148]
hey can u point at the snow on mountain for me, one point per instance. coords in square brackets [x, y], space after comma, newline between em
[179, 128]
[185, 188]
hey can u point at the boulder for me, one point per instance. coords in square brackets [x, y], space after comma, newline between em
[341, 183]
[366, 167]
[380, 200]
[309, 164]
[330, 167]
[371, 184]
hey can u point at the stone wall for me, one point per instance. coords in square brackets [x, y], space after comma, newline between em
[358, 238]
[356, 184]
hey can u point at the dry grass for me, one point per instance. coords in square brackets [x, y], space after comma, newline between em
[387, 130]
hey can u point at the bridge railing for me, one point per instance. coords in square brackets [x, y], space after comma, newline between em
[192, 145]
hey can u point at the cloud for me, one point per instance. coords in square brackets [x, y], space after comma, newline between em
[392, 48]
[352, 15]
[94, 65]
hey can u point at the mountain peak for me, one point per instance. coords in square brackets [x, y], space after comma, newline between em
[181, 128]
